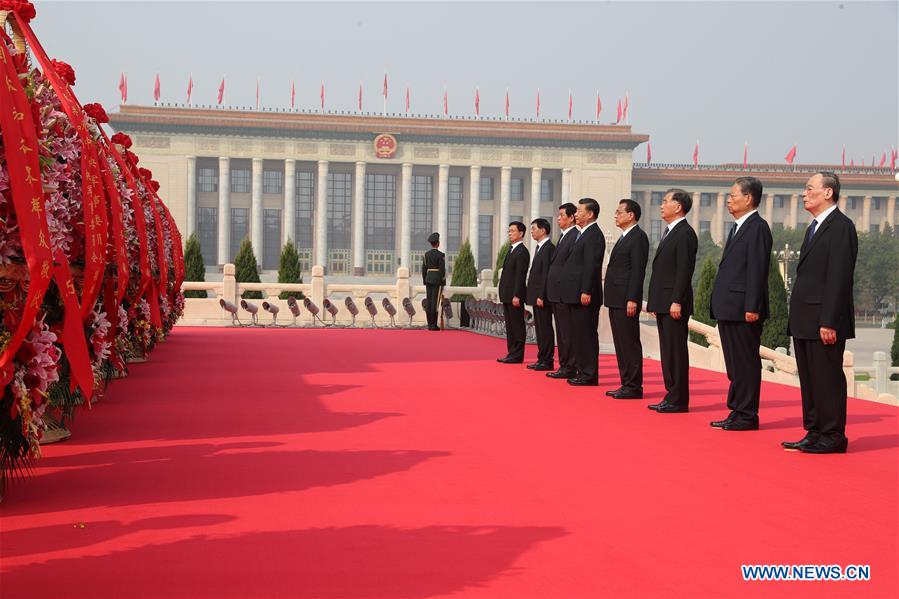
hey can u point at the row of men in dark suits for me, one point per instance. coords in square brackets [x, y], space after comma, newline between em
[564, 286]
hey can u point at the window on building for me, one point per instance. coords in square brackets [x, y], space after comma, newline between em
[517, 192]
[271, 235]
[240, 180]
[380, 212]
[640, 198]
[874, 228]
[656, 197]
[422, 210]
[340, 202]
[705, 226]
[272, 182]
[546, 190]
[876, 203]
[781, 201]
[485, 241]
[208, 230]
[305, 199]
[240, 229]
[454, 214]
[655, 230]
[208, 179]
[486, 188]
[852, 203]
[514, 217]
[706, 199]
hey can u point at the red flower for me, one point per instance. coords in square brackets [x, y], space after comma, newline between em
[23, 8]
[121, 139]
[132, 158]
[96, 112]
[145, 173]
[64, 70]
[154, 185]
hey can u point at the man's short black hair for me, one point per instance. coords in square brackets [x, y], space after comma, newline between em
[518, 225]
[569, 209]
[542, 223]
[831, 181]
[591, 205]
[632, 207]
[681, 197]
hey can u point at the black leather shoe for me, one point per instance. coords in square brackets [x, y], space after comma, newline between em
[628, 395]
[826, 446]
[808, 439]
[612, 392]
[740, 425]
[583, 382]
[670, 408]
[533, 366]
[721, 423]
[560, 374]
[509, 361]
[541, 367]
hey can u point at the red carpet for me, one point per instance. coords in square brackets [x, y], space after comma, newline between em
[293, 463]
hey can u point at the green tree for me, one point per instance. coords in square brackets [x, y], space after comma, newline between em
[774, 331]
[246, 269]
[289, 269]
[702, 302]
[707, 249]
[464, 272]
[894, 351]
[876, 273]
[194, 270]
[500, 258]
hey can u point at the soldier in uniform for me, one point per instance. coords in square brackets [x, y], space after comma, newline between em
[433, 275]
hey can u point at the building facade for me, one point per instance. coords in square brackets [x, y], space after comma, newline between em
[359, 194]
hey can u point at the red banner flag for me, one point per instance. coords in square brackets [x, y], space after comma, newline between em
[321, 95]
[696, 154]
[745, 154]
[221, 95]
[618, 118]
[648, 153]
[385, 85]
[445, 103]
[359, 103]
[791, 155]
[116, 217]
[123, 88]
[843, 158]
[407, 100]
[156, 88]
[598, 107]
[477, 102]
[893, 155]
[627, 101]
[883, 160]
[190, 88]
[570, 105]
[293, 94]
[507, 104]
[538, 102]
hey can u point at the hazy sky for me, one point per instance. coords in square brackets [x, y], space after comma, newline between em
[773, 74]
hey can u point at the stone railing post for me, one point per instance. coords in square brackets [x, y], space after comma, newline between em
[318, 285]
[403, 286]
[486, 281]
[849, 371]
[229, 284]
[881, 371]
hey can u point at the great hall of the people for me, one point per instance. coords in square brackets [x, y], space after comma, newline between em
[359, 194]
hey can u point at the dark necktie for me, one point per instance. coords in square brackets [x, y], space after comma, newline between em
[576, 239]
[733, 231]
[664, 235]
[809, 232]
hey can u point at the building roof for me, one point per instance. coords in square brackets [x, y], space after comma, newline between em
[773, 174]
[364, 127]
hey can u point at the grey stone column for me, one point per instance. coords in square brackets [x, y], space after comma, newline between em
[406, 216]
[256, 209]
[474, 210]
[359, 220]
[224, 210]
[290, 203]
[321, 217]
[191, 221]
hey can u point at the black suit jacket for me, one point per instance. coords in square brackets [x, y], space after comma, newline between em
[582, 272]
[741, 284]
[515, 271]
[672, 271]
[553, 292]
[539, 272]
[626, 270]
[822, 293]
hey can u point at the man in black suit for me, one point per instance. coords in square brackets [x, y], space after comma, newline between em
[582, 292]
[543, 315]
[740, 303]
[671, 298]
[623, 296]
[433, 275]
[513, 292]
[553, 292]
[822, 316]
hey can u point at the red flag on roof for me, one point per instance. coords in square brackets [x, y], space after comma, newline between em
[570, 105]
[407, 99]
[190, 87]
[293, 94]
[883, 160]
[598, 106]
[221, 91]
[624, 110]
[123, 88]
[359, 102]
[696, 154]
[538, 102]
[791, 155]
[618, 118]
[477, 102]
[893, 155]
[156, 89]
[257, 93]
[385, 85]
[321, 94]
[648, 153]
[507, 104]
[745, 154]
[445, 103]
[843, 157]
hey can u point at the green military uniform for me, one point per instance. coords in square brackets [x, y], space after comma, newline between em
[433, 275]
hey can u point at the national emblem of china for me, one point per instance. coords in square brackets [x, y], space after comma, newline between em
[385, 146]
